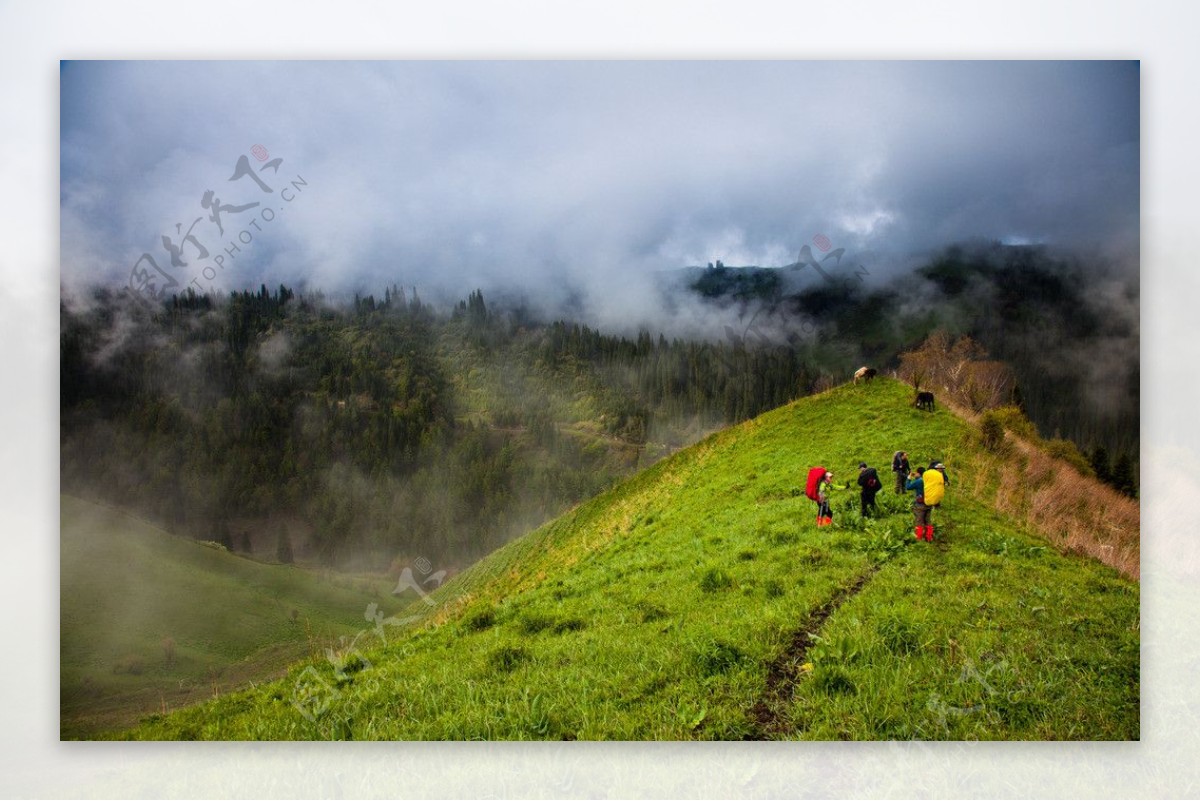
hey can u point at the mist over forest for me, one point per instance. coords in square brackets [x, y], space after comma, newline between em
[401, 422]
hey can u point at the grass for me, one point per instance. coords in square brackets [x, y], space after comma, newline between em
[662, 609]
[151, 622]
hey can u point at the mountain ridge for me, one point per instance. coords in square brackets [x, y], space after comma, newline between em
[661, 608]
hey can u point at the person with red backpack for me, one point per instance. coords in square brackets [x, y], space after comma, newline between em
[868, 479]
[816, 488]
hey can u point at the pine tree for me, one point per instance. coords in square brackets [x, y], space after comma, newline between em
[1101, 464]
[1123, 477]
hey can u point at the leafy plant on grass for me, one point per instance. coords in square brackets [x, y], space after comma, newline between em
[833, 651]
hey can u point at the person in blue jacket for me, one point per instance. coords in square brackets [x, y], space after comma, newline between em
[916, 483]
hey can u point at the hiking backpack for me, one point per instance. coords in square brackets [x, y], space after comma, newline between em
[812, 486]
[935, 487]
[872, 480]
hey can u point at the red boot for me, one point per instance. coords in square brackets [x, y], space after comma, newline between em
[929, 533]
[920, 532]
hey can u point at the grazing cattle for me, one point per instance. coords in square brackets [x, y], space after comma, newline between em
[864, 374]
[924, 401]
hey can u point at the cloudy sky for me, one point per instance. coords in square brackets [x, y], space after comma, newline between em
[584, 175]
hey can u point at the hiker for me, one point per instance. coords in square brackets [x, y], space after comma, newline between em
[816, 489]
[916, 483]
[935, 490]
[868, 479]
[901, 469]
[941, 468]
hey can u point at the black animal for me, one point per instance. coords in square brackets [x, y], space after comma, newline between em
[924, 401]
[864, 373]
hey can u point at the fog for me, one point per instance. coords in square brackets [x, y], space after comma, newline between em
[574, 184]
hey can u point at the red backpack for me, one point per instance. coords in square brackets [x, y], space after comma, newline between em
[812, 486]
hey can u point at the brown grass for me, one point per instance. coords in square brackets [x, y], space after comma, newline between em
[1075, 513]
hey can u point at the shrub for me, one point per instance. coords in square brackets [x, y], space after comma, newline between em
[1066, 450]
[1014, 420]
[991, 431]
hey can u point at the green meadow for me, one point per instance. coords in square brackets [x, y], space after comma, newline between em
[150, 622]
[697, 600]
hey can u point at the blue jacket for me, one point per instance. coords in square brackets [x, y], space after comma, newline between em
[918, 486]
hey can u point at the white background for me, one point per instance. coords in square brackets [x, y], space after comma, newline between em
[33, 37]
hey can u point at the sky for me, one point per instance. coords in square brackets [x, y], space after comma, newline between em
[578, 178]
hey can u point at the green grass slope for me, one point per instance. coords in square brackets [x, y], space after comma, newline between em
[128, 587]
[698, 600]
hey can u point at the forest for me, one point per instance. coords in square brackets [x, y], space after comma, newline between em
[377, 430]
[283, 426]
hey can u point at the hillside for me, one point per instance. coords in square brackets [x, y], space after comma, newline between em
[152, 621]
[368, 431]
[697, 600]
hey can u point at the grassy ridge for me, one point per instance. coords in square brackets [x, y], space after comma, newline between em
[128, 587]
[668, 607]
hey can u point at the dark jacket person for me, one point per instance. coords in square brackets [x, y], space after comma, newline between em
[868, 479]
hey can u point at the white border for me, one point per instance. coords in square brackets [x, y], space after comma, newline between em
[34, 37]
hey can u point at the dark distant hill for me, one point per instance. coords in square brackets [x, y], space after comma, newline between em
[1069, 330]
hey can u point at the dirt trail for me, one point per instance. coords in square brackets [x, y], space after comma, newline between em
[771, 713]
